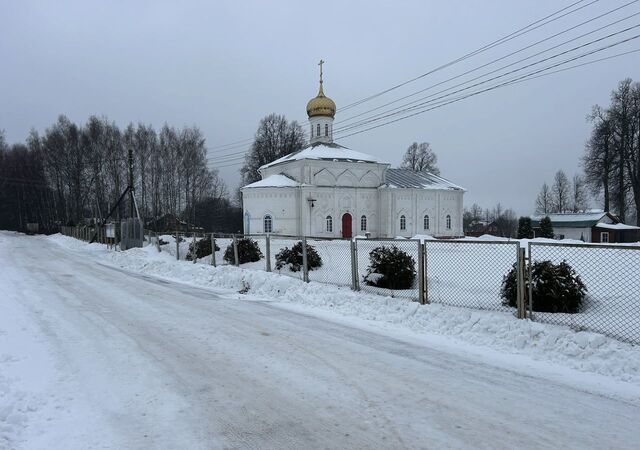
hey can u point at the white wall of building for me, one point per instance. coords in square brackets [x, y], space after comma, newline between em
[304, 210]
[280, 203]
[323, 125]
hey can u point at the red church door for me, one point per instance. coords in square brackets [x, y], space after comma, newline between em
[346, 226]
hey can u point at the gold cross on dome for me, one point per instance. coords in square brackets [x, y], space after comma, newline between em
[320, 64]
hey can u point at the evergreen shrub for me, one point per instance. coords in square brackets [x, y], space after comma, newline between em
[202, 249]
[390, 267]
[248, 251]
[293, 258]
[557, 288]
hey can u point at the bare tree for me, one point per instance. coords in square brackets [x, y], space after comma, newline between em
[612, 154]
[421, 158]
[274, 139]
[599, 156]
[579, 194]
[561, 192]
[544, 201]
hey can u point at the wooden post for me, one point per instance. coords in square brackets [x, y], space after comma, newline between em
[235, 250]
[213, 250]
[305, 261]
[355, 284]
[177, 246]
[195, 249]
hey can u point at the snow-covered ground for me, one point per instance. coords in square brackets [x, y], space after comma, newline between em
[137, 350]
[469, 273]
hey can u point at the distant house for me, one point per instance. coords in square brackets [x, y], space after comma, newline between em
[477, 229]
[600, 227]
[170, 223]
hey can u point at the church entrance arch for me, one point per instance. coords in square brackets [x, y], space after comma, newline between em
[347, 221]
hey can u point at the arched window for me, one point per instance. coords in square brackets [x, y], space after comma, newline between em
[268, 224]
[403, 223]
[318, 130]
[329, 224]
[426, 222]
[326, 129]
[363, 223]
[448, 222]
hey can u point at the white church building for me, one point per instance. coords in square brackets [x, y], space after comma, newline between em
[327, 190]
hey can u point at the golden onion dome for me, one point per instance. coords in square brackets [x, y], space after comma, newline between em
[321, 105]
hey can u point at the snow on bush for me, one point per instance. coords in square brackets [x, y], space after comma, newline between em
[557, 288]
[248, 251]
[293, 258]
[202, 249]
[390, 267]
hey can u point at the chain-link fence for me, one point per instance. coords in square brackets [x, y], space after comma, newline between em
[611, 275]
[372, 259]
[334, 256]
[469, 274]
[277, 245]
[460, 273]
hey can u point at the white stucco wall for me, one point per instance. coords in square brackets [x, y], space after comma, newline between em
[345, 187]
[322, 121]
[414, 204]
[280, 203]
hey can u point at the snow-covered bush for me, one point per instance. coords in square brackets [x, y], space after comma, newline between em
[557, 288]
[390, 267]
[202, 249]
[293, 257]
[248, 251]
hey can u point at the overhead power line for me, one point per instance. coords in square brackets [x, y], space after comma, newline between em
[519, 32]
[526, 77]
[526, 29]
[506, 56]
[407, 106]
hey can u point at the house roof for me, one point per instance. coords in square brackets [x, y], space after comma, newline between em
[326, 152]
[274, 181]
[572, 220]
[617, 226]
[406, 178]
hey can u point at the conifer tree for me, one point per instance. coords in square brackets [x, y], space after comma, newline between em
[525, 230]
[546, 228]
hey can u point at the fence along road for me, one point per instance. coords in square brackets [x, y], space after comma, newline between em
[611, 274]
[461, 273]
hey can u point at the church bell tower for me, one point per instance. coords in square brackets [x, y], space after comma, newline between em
[321, 111]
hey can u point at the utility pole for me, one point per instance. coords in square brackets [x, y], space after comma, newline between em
[131, 191]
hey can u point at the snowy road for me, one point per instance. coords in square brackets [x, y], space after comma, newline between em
[144, 363]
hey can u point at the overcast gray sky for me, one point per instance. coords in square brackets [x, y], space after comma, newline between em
[223, 65]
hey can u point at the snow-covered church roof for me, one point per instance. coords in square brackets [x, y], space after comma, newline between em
[275, 180]
[406, 178]
[327, 151]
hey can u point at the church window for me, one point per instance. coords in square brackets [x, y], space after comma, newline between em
[326, 129]
[318, 130]
[268, 224]
[403, 223]
[426, 222]
[363, 223]
[448, 222]
[329, 224]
